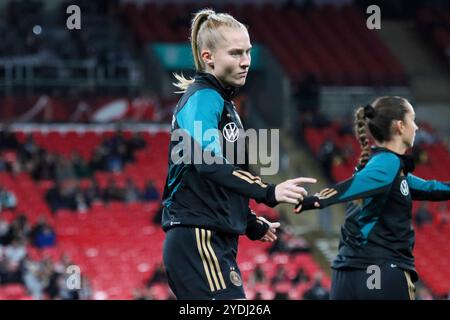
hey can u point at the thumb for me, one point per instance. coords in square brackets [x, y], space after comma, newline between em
[275, 225]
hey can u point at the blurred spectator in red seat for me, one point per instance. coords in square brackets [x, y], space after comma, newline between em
[317, 291]
[300, 276]
[81, 201]
[53, 197]
[42, 234]
[326, 155]
[423, 215]
[80, 167]
[420, 155]
[136, 142]
[29, 148]
[423, 293]
[150, 192]
[4, 230]
[8, 199]
[280, 276]
[43, 166]
[64, 169]
[258, 296]
[19, 228]
[85, 292]
[288, 242]
[32, 278]
[3, 164]
[14, 255]
[257, 276]
[112, 192]
[97, 162]
[131, 192]
[443, 214]
[93, 192]
[8, 140]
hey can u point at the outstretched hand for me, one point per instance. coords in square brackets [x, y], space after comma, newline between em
[290, 191]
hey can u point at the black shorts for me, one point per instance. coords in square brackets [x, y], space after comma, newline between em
[201, 264]
[359, 284]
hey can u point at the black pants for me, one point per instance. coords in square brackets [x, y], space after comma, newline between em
[201, 264]
[393, 283]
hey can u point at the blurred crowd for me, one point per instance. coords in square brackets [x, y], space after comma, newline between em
[65, 173]
[42, 278]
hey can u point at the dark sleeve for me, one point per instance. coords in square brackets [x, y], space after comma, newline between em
[256, 228]
[431, 190]
[198, 121]
[376, 178]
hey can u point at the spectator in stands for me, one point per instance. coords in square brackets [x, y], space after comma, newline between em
[54, 197]
[426, 137]
[279, 245]
[258, 296]
[93, 192]
[317, 291]
[300, 276]
[43, 234]
[4, 231]
[14, 256]
[257, 276]
[420, 155]
[443, 215]
[64, 169]
[97, 162]
[280, 276]
[8, 140]
[150, 192]
[80, 167]
[423, 293]
[136, 142]
[3, 164]
[131, 192]
[19, 228]
[8, 199]
[31, 278]
[85, 292]
[112, 192]
[423, 215]
[288, 242]
[43, 165]
[29, 148]
[326, 155]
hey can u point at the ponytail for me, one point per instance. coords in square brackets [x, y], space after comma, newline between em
[362, 133]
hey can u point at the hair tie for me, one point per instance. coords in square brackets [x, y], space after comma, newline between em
[369, 111]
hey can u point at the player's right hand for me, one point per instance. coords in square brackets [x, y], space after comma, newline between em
[290, 190]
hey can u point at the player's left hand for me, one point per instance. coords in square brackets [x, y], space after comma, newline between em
[270, 235]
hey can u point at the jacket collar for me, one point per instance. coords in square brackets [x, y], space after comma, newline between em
[407, 160]
[226, 92]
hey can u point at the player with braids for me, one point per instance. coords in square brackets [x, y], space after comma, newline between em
[378, 233]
